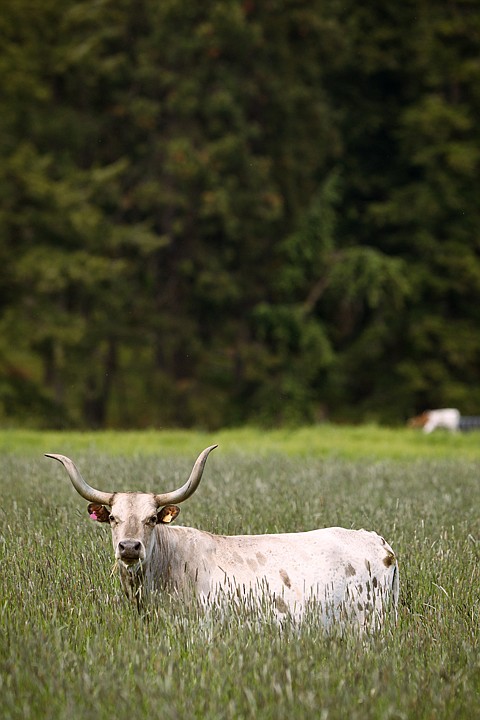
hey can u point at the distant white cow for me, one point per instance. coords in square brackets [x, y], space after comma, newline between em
[348, 574]
[447, 418]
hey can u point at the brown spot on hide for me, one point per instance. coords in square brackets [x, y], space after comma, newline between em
[350, 570]
[238, 558]
[389, 560]
[261, 558]
[252, 564]
[281, 605]
[285, 578]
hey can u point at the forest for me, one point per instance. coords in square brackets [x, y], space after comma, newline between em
[238, 212]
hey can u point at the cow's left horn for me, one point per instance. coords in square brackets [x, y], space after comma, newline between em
[184, 492]
[79, 483]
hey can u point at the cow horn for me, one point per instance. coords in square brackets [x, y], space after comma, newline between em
[79, 483]
[184, 492]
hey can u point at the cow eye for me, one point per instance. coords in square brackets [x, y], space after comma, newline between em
[111, 519]
[152, 520]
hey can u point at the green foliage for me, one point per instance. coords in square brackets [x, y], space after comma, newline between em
[237, 212]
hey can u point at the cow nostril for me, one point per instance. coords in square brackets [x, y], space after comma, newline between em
[130, 549]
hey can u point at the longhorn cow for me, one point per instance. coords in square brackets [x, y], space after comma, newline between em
[348, 574]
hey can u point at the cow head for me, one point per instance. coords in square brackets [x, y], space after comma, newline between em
[133, 516]
[418, 421]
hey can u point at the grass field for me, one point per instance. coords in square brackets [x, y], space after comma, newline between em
[326, 440]
[70, 647]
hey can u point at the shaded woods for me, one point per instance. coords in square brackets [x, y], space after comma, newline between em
[226, 212]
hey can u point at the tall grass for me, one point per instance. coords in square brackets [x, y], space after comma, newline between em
[70, 646]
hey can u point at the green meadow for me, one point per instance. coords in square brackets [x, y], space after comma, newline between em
[71, 647]
[359, 442]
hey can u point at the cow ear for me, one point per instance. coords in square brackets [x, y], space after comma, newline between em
[168, 513]
[98, 512]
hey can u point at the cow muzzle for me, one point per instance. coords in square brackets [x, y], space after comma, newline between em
[130, 552]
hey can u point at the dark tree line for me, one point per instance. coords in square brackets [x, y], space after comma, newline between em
[225, 212]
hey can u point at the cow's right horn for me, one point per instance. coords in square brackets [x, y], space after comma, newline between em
[79, 483]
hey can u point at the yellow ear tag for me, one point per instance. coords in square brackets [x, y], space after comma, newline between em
[168, 513]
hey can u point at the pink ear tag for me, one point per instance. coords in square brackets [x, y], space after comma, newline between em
[93, 516]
